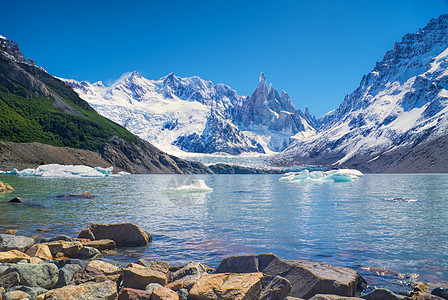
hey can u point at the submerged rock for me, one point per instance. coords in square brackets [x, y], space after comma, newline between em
[307, 278]
[17, 242]
[84, 195]
[124, 234]
[245, 286]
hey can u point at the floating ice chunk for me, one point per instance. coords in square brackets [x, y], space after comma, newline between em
[399, 199]
[55, 170]
[342, 175]
[196, 186]
[123, 173]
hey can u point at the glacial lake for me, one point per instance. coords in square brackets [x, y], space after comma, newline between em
[347, 224]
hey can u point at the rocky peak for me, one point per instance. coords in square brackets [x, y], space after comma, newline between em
[11, 50]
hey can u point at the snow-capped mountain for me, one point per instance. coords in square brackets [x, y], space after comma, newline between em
[401, 103]
[194, 115]
[11, 50]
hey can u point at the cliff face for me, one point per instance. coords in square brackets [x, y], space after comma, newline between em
[42, 120]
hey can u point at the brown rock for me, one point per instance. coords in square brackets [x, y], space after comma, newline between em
[40, 297]
[124, 234]
[140, 277]
[9, 280]
[106, 290]
[13, 256]
[68, 248]
[101, 245]
[175, 285]
[41, 251]
[134, 265]
[83, 241]
[307, 278]
[133, 294]
[91, 274]
[425, 296]
[164, 294]
[227, 286]
[104, 267]
[35, 260]
[16, 295]
[5, 188]
[8, 231]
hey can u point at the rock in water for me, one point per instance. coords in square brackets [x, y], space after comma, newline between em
[18, 242]
[5, 188]
[106, 290]
[227, 286]
[124, 234]
[307, 278]
[41, 275]
[85, 195]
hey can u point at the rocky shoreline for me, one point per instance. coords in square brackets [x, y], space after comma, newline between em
[63, 267]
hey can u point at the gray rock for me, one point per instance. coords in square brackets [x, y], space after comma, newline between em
[332, 297]
[275, 288]
[3, 269]
[307, 278]
[70, 261]
[61, 237]
[440, 292]
[32, 291]
[189, 274]
[383, 294]
[124, 234]
[292, 298]
[18, 242]
[183, 294]
[152, 287]
[88, 253]
[40, 275]
[9, 280]
[65, 274]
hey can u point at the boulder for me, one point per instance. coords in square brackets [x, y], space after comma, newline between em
[140, 277]
[69, 249]
[61, 237]
[152, 287]
[32, 291]
[124, 234]
[275, 288]
[13, 256]
[15, 242]
[16, 295]
[227, 286]
[175, 285]
[133, 294]
[307, 278]
[106, 290]
[97, 271]
[189, 274]
[383, 294]
[101, 245]
[164, 294]
[425, 296]
[41, 275]
[66, 274]
[35, 260]
[183, 294]
[41, 251]
[61, 263]
[5, 188]
[88, 253]
[440, 292]
[84, 195]
[9, 280]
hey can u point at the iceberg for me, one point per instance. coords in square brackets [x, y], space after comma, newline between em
[56, 170]
[196, 186]
[341, 175]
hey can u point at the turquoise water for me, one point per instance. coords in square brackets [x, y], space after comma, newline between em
[346, 224]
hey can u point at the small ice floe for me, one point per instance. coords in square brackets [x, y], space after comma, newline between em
[55, 170]
[196, 186]
[400, 199]
[342, 175]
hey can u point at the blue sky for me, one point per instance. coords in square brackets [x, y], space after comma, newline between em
[317, 51]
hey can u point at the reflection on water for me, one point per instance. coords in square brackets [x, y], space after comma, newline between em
[346, 224]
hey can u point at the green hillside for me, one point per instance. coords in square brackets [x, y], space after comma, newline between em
[32, 116]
